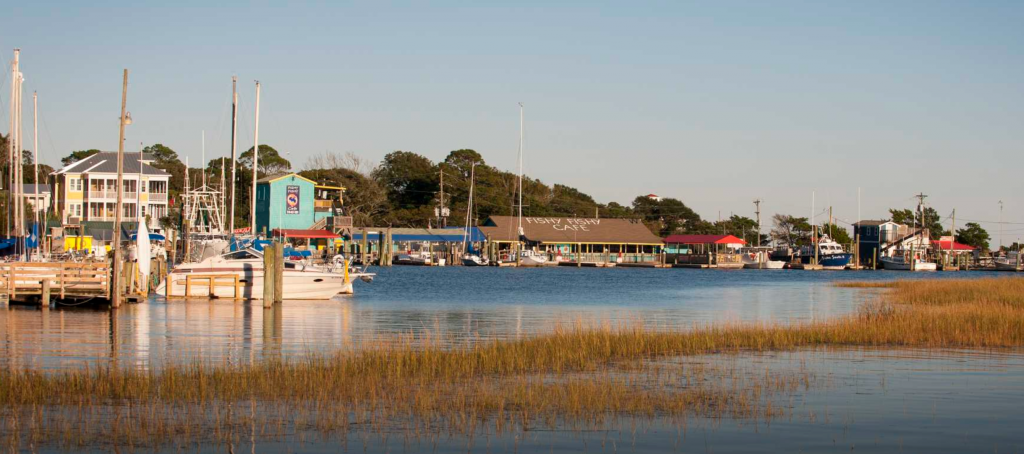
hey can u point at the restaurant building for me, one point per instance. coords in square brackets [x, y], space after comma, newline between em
[588, 240]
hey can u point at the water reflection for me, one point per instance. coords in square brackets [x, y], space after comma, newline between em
[457, 304]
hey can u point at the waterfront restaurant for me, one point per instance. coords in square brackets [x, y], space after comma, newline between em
[589, 240]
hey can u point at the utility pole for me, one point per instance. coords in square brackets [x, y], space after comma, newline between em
[757, 211]
[234, 148]
[442, 215]
[1000, 225]
[255, 162]
[116, 291]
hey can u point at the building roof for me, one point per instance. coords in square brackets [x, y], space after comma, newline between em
[570, 230]
[703, 239]
[281, 176]
[30, 189]
[106, 162]
[300, 233]
[945, 245]
[870, 222]
[448, 235]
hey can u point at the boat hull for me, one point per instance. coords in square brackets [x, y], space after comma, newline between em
[297, 285]
[906, 266]
[768, 265]
[836, 261]
[1003, 266]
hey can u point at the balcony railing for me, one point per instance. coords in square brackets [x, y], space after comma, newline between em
[157, 197]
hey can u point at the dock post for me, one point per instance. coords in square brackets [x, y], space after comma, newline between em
[279, 273]
[269, 258]
[364, 252]
[45, 299]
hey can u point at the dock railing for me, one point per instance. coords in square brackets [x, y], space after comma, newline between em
[80, 280]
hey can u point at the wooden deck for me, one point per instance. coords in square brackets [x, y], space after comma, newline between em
[58, 279]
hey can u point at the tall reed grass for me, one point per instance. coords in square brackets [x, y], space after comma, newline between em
[575, 375]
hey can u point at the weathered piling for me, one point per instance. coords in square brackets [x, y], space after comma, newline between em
[44, 299]
[269, 274]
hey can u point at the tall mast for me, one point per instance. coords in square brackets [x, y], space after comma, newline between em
[19, 189]
[116, 301]
[35, 159]
[519, 223]
[223, 193]
[202, 158]
[255, 163]
[469, 208]
[234, 147]
[10, 144]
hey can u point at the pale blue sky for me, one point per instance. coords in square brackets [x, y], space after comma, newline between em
[716, 103]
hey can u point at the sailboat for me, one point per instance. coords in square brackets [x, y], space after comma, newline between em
[469, 259]
[526, 257]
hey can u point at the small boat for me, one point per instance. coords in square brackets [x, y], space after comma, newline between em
[1012, 262]
[301, 281]
[901, 263]
[474, 260]
[532, 258]
[759, 258]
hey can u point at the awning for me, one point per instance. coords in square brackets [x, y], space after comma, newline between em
[299, 233]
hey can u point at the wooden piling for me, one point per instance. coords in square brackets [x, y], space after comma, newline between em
[269, 274]
[279, 274]
[45, 299]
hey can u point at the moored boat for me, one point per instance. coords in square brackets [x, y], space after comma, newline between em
[902, 263]
[301, 281]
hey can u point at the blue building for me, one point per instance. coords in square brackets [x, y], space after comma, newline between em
[284, 202]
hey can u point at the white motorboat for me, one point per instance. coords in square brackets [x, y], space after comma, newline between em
[759, 258]
[301, 281]
[901, 263]
[532, 258]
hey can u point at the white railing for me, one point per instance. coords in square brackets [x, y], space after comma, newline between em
[157, 197]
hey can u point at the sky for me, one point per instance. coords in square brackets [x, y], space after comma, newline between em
[713, 103]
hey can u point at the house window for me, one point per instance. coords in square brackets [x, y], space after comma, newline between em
[75, 184]
[143, 186]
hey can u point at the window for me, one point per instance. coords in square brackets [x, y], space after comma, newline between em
[76, 210]
[75, 184]
[144, 186]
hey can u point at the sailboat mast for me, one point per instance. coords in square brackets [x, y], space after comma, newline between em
[255, 163]
[202, 158]
[35, 160]
[519, 223]
[234, 148]
[10, 143]
[469, 208]
[223, 193]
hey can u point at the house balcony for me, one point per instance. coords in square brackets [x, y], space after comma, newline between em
[157, 197]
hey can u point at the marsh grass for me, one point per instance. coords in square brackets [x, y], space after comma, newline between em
[578, 376]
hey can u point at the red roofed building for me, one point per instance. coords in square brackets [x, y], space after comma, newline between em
[946, 244]
[716, 250]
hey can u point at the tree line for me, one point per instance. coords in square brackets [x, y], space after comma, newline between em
[404, 190]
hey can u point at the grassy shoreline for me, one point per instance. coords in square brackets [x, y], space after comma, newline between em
[574, 375]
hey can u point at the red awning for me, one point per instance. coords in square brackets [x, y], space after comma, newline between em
[703, 239]
[299, 233]
[945, 246]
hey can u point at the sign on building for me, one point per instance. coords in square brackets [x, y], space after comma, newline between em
[292, 200]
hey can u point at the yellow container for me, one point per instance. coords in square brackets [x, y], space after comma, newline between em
[80, 243]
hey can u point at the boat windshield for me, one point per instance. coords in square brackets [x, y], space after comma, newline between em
[240, 255]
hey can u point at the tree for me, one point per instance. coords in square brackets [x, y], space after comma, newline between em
[741, 227]
[790, 231]
[839, 234]
[409, 179]
[270, 162]
[76, 156]
[363, 199]
[932, 220]
[667, 216]
[973, 235]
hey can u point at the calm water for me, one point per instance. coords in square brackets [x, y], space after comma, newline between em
[461, 304]
[862, 400]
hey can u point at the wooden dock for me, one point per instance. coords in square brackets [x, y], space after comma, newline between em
[55, 279]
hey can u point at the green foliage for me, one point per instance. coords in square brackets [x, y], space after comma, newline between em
[76, 156]
[363, 200]
[667, 216]
[741, 227]
[973, 235]
[838, 233]
[270, 161]
[790, 230]
[932, 220]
